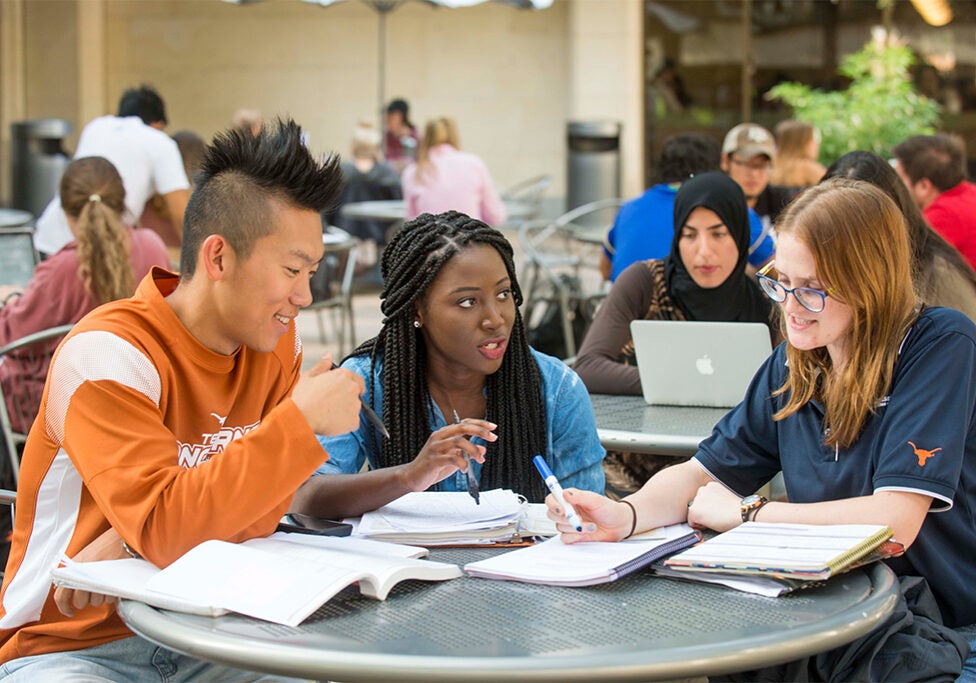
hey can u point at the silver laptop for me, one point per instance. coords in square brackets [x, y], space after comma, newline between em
[17, 256]
[688, 363]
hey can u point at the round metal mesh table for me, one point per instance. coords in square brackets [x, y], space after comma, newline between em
[641, 627]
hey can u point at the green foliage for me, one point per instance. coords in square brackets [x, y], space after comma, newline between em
[878, 110]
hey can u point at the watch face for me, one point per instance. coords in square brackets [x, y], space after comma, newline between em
[751, 500]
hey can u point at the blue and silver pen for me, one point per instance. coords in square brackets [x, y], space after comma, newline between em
[473, 489]
[557, 491]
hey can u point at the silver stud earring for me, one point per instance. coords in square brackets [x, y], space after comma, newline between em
[416, 323]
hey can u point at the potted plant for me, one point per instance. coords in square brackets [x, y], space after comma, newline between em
[879, 108]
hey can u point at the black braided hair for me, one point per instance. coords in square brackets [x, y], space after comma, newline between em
[516, 404]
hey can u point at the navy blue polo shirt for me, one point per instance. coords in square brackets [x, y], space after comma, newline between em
[922, 438]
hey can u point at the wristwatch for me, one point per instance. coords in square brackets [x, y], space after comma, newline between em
[749, 504]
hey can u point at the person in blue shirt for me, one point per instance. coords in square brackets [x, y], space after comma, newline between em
[453, 342]
[868, 409]
[642, 229]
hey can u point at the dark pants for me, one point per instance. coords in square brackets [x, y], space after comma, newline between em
[626, 472]
[6, 519]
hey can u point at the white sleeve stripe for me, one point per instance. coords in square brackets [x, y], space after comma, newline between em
[55, 516]
[92, 357]
[934, 496]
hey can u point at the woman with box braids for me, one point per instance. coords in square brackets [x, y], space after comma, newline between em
[455, 381]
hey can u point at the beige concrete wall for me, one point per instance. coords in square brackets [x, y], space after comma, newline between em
[13, 99]
[51, 46]
[38, 76]
[511, 78]
[500, 72]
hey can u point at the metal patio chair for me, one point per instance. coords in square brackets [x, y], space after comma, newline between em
[528, 192]
[25, 362]
[332, 288]
[561, 263]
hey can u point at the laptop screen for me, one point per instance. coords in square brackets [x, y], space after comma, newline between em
[690, 363]
[17, 256]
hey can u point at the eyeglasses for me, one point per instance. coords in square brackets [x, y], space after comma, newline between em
[814, 300]
[761, 166]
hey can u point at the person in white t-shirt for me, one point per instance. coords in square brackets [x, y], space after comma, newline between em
[147, 159]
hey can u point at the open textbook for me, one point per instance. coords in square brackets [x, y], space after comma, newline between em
[282, 578]
[772, 558]
[555, 563]
[433, 518]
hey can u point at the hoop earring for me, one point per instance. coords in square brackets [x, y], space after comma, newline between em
[417, 324]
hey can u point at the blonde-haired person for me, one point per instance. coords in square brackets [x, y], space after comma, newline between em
[446, 179]
[247, 119]
[797, 149]
[102, 264]
[867, 409]
[365, 177]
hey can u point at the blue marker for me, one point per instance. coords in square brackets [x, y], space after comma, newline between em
[557, 491]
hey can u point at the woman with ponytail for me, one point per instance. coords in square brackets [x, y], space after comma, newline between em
[455, 382]
[102, 264]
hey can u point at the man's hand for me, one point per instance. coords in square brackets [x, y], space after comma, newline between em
[329, 398]
[8, 293]
[108, 546]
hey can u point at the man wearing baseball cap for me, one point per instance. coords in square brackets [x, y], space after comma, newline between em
[747, 156]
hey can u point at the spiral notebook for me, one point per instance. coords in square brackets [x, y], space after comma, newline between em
[554, 563]
[806, 552]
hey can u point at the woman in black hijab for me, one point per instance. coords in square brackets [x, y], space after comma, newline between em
[711, 217]
[703, 278]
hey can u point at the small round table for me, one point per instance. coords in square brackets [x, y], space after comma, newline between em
[392, 210]
[15, 218]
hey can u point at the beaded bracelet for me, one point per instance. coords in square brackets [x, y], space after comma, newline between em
[633, 527]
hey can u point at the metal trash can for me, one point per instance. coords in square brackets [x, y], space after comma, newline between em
[38, 161]
[594, 162]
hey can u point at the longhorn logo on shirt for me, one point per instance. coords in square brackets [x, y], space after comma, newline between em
[922, 454]
[192, 455]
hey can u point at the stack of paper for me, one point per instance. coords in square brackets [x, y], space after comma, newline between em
[432, 518]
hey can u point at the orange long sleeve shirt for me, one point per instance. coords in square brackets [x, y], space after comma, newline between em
[144, 429]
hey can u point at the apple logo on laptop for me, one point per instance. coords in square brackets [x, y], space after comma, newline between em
[704, 365]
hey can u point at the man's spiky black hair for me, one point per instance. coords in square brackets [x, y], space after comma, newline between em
[242, 175]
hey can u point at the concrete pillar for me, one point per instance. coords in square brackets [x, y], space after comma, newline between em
[13, 89]
[92, 72]
[606, 75]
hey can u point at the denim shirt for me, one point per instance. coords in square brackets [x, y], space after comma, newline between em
[573, 448]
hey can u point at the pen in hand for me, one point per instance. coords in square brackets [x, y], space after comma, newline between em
[473, 490]
[557, 491]
[370, 413]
